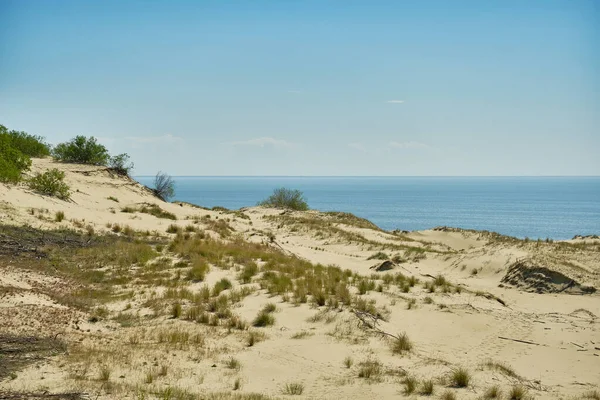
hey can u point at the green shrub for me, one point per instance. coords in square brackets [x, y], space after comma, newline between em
[50, 183]
[120, 164]
[82, 150]
[29, 145]
[12, 161]
[286, 198]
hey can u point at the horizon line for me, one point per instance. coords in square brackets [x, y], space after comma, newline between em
[374, 176]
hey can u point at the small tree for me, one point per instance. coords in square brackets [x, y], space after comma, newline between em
[164, 186]
[121, 164]
[82, 150]
[12, 161]
[286, 198]
[50, 183]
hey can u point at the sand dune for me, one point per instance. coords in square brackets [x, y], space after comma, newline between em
[511, 312]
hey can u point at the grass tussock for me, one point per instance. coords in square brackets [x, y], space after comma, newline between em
[460, 378]
[448, 395]
[518, 392]
[401, 344]
[426, 388]
[492, 393]
[293, 389]
[410, 385]
[370, 370]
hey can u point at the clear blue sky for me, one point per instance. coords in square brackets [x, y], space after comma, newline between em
[312, 87]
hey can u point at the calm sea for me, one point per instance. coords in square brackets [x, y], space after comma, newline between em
[555, 207]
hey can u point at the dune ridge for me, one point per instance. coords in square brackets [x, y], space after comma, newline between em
[180, 318]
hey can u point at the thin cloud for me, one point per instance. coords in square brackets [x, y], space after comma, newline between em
[168, 138]
[357, 146]
[395, 101]
[409, 145]
[263, 142]
[295, 91]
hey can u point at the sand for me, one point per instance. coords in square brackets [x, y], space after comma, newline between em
[545, 326]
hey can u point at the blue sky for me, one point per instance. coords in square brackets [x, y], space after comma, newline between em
[312, 87]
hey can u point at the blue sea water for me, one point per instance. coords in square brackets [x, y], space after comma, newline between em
[534, 207]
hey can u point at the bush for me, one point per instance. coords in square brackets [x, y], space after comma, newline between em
[50, 183]
[12, 162]
[82, 150]
[286, 198]
[121, 164]
[29, 145]
[164, 186]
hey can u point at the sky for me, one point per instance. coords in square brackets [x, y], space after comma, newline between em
[358, 88]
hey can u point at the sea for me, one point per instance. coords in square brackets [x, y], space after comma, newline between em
[532, 207]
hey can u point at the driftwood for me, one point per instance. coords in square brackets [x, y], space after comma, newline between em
[520, 341]
[370, 321]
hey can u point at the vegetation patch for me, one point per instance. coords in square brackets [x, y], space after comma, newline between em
[50, 183]
[286, 199]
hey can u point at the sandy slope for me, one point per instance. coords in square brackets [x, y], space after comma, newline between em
[561, 358]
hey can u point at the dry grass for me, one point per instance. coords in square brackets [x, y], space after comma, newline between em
[460, 378]
[517, 392]
[503, 368]
[492, 393]
[410, 385]
[293, 389]
[401, 344]
[448, 395]
[426, 388]
[370, 370]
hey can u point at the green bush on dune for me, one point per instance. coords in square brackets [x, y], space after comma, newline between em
[82, 150]
[286, 198]
[50, 183]
[15, 149]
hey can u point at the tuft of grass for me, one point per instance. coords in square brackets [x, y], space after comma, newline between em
[104, 375]
[301, 335]
[380, 255]
[223, 284]
[149, 378]
[173, 229]
[113, 199]
[370, 369]
[410, 385]
[401, 344]
[426, 388]
[254, 337]
[502, 368]
[492, 393]
[176, 310]
[263, 319]
[294, 388]
[59, 216]
[517, 392]
[411, 304]
[269, 308]
[428, 300]
[348, 361]
[460, 378]
[448, 395]
[233, 363]
[592, 394]
[198, 270]
[237, 384]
